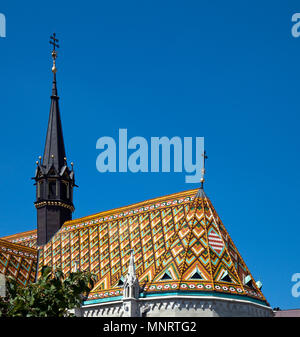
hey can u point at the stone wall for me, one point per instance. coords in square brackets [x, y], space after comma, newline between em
[180, 306]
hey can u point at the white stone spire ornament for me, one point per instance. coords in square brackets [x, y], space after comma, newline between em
[131, 291]
[131, 283]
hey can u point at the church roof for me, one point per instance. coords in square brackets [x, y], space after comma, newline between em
[28, 238]
[180, 246]
[18, 261]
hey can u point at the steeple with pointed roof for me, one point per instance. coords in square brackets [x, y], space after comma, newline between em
[131, 283]
[54, 179]
[54, 153]
[131, 291]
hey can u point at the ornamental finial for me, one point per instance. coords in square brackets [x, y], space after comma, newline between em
[203, 169]
[53, 41]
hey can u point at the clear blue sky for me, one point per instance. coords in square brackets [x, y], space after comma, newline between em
[228, 71]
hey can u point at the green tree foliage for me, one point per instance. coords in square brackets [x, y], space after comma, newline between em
[51, 296]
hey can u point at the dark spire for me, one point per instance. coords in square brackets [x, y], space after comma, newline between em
[54, 88]
[54, 153]
[54, 179]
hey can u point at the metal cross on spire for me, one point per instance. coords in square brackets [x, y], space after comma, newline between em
[203, 169]
[53, 41]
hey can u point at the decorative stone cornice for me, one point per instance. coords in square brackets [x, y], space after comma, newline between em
[54, 203]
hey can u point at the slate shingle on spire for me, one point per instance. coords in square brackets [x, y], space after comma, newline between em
[54, 153]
